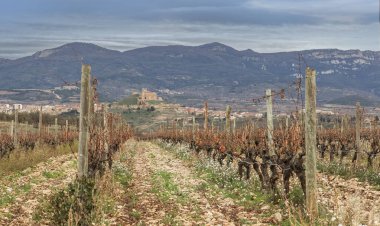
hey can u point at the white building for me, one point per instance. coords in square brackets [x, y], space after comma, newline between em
[17, 106]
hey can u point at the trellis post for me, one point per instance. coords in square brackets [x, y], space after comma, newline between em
[15, 138]
[311, 142]
[270, 122]
[83, 121]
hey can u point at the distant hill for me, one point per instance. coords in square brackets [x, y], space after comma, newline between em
[190, 74]
[352, 99]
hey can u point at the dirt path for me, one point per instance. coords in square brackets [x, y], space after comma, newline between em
[169, 193]
[21, 193]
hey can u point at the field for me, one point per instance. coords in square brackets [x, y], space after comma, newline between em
[153, 182]
[161, 164]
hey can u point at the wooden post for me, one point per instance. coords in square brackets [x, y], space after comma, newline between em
[205, 126]
[234, 126]
[183, 124]
[193, 126]
[15, 138]
[83, 121]
[357, 133]
[27, 127]
[228, 119]
[375, 124]
[56, 129]
[67, 130]
[91, 95]
[40, 127]
[106, 130]
[104, 115]
[212, 125]
[270, 122]
[90, 118]
[11, 129]
[287, 123]
[311, 142]
[110, 126]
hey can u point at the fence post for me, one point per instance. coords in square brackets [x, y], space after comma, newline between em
[40, 127]
[287, 123]
[15, 138]
[193, 126]
[228, 119]
[83, 121]
[310, 143]
[212, 125]
[11, 129]
[357, 133]
[105, 130]
[56, 129]
[234, 126]
[270, 122]
[67, 130]
[206, 116]
[90, 118]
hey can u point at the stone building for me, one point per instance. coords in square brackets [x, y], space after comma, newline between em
[147, 95]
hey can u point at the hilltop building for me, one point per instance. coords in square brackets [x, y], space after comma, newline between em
[147, 95]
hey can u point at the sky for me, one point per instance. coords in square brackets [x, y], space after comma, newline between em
[28, 26]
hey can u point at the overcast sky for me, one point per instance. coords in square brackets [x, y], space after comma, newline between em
[27, 26]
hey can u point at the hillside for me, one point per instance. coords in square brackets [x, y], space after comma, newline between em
[189, 74]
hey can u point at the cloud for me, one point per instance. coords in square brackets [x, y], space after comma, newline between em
[263, 12]
[329, 11]
[27, 26]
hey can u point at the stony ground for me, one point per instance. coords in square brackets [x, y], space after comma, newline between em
[169, 192]
[349, 201]
[155, 184]
[21, 193]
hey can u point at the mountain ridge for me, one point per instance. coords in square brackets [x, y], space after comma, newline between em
[89, 44]
[210, 71]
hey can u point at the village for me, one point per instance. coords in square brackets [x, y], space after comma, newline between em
[146, 98]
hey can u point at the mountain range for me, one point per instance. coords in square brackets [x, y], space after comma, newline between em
[191, 74]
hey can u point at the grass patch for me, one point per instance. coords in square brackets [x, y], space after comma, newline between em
[136, 215]
[180, 151]
[151, 155]
[20, 160]
[25, 187]
[73, 205]
[6, 199]
[165, 188]
[348, 172]
[52, 174]
[169, 219]
[296, 196]
[122, 175]
[221, 179]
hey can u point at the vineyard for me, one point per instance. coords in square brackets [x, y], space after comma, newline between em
[280, 170]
